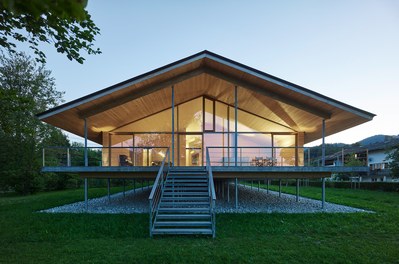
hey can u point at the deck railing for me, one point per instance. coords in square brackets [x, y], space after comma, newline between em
[153, 155]
[157, 189]
[212, 193]
[103, 156]
[261, 156]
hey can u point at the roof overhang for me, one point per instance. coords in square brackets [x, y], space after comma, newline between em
[205, 73]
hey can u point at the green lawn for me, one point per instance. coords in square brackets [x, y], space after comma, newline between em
[30, 237]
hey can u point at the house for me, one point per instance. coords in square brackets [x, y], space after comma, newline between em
[198, 124]
[374, 156]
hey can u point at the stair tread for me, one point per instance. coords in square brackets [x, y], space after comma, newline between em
[184, 209]
[180, 204]
[187, 188]
[182, 231]
[183, 223]
[176, 193]
[187, 216]
[184, 206]
[187, 172]
[186, 180]
[188, 198]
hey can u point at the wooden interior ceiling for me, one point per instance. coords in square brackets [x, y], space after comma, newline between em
[276, 100]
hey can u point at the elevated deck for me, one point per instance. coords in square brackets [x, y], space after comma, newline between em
[219, 172]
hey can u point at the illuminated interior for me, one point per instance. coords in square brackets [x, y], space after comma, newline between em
[200, 123]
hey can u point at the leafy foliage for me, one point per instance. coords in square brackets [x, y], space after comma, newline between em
[25, 89]
[393, 156]
[63, 23]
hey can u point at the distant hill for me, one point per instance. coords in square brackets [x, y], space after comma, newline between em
[376, 139]
[367, 142]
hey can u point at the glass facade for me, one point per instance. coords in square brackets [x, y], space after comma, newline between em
[200, 123]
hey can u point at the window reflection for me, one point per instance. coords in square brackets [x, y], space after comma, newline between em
[260, 141]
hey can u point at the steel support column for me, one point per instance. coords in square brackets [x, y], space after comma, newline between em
[223, 186]
[235, 125]
[279, 188]
[86, 164]
[173, 126]
[228, 190]
[268, 185]
[236, 192]
[86, 194]
[323, 192]
[85, 135]
[297, 190]
[124, 188]
[109, 189]
[323, 163]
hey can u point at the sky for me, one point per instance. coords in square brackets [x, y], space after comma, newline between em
[344, 49]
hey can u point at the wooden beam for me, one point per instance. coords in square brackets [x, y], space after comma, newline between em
[261, 90]
[95, 110]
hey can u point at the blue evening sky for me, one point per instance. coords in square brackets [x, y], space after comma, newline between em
[345, 49]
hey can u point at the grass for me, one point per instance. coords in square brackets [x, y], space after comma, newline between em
[30, 237]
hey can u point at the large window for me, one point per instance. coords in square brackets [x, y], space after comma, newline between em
[190, 116]
[199, 123]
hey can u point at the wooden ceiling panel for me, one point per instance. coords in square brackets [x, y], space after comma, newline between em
[213, 76]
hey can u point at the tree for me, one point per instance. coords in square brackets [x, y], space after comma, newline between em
[393, 164]
[25, 89]
[63, 23]
[350, 161]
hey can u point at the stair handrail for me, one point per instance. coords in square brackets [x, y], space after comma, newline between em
[157, 190]
[211, 191]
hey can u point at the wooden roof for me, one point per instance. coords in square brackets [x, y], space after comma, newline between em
[212, 75]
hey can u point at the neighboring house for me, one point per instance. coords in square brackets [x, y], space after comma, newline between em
[194, 126]
[375, 156]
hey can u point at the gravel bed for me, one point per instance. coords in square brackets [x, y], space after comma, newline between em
[250, 201]
[133, 202]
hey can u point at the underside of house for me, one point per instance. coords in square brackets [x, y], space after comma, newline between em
[204, 117]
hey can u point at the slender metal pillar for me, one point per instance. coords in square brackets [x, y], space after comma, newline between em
[258, 185]
[109, 189]
[124, 188]
[68, 158]
[228, 190]
[323, 146]
[173, 126]
[44, 156]
[134, 186]
[252, 183]
[279, 188]
[235, 125]
[268, 185]
[236, 192]
[86, 164]
[223, 186]
[85, 151]
[86, 194]
[323, 192]
[297, 190]
[323, 163]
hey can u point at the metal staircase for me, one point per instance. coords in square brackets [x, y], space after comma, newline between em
[184, 207]
[183, 202]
